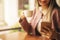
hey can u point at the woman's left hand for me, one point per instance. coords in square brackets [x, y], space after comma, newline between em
[46, 29]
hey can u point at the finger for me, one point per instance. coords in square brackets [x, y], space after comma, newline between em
[22, 16]
[44, 31]
[47, 28]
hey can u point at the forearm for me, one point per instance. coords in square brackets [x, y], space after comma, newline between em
[26, 26]
[56, 23]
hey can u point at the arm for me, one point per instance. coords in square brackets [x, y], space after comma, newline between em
[56, 20]
[26, 26]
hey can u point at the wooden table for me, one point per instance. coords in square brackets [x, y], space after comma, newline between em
[2, 37]
[29, 37]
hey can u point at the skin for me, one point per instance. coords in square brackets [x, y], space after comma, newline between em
[44, 3]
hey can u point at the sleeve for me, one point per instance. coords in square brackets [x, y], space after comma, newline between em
[56, 20]
[26, 26]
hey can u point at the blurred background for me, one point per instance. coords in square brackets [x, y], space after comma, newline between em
[10, 11]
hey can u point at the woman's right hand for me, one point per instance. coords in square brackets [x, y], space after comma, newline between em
[22, 17]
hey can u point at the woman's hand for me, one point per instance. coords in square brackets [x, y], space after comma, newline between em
[46, 29]
[22, 17]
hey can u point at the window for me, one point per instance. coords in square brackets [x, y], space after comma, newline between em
[23, 4]
[2, 21]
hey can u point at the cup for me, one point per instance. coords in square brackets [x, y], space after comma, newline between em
[28, 13]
